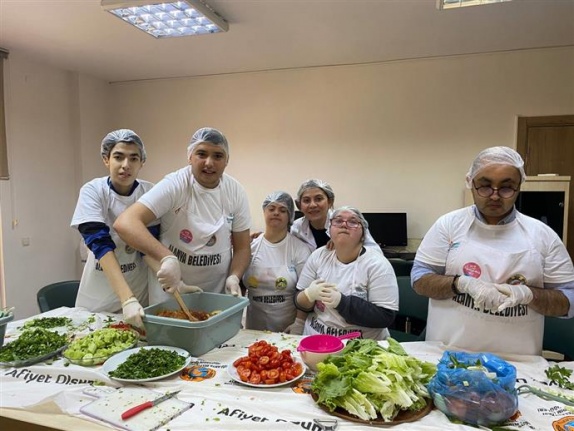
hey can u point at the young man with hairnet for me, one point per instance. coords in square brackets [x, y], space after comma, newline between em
[205, 221]
[277, 259]
[491, 272]
[115, 276]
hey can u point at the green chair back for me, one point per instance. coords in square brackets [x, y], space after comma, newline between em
[412, 306]
[61, 294]
[559, 336]
[401, 266]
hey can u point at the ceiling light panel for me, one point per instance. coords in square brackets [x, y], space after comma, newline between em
[451, 4]
[168, 19]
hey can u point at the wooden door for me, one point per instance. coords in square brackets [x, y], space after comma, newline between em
[547, 146]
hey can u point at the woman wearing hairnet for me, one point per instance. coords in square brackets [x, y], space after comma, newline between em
[491, 272]
[115, 276]
[205, 221]
[349, 288]
[315, 200]
[277, 258]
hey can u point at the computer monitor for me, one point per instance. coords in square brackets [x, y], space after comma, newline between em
[388, 229]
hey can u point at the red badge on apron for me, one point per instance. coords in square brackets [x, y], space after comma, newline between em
[186, 236]
[471, 269]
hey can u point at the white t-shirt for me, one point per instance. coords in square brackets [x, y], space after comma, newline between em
[99, 203]
[370, 277]
[196, 225]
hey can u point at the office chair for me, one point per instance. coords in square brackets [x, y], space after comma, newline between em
[61, 294]
[401, 266]
[411, 320]
[559, 336]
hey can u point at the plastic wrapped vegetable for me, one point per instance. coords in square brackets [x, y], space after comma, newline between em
[476, 388]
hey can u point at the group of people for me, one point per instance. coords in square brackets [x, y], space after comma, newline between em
[491, 272]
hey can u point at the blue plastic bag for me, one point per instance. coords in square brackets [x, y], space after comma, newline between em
[476, 388]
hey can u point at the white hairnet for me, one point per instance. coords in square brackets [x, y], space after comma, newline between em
[122, 135]
[495, 156]
[315, 184]
[209, 135]
[284, 199]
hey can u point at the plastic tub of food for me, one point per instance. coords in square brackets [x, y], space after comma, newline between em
[198, 337]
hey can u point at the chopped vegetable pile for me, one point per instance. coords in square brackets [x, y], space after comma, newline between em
[32, 343]
[48, 322]
[96, 347]
[560, 376]
[368, 380]
[149, 363]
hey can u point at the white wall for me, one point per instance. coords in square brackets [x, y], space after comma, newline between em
[46, 142]
[396, 136]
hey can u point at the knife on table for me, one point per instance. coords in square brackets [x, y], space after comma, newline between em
[148, 404]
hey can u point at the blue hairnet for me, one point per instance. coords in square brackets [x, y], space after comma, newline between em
[209, 135]
[122, 135]
[495, 156]
[315, 183]
[284, 199]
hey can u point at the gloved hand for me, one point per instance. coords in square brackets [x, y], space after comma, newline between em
[485, 294]
[296, 328]
[232, 285]
[133, 312]
[314, 289]
[181, 287]
[169, 274]
[330, 295]
[515, 294]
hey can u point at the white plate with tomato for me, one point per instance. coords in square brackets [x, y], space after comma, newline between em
[265, 366]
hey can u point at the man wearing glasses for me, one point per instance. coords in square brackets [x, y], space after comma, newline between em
[491, 272]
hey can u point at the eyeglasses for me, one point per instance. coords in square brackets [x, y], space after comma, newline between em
[488, 191]
[351, 224]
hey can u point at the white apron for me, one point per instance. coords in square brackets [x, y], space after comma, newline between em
[95, 292]
[350, 281]
[270, 291]
[514, 330]
[202, 248]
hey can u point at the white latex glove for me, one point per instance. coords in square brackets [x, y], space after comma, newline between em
[133, 312]
[515, 294]
[169, 274]
[232, 285]
[314, 289]
[296, 328]
[485, 294]
[187, 288]
[330, 295]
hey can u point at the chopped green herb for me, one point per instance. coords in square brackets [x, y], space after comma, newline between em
[48, 322]
[32, 343]
[148, 363]
[560, 376]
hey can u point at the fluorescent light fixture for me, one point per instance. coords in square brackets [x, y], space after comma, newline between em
[452, 4]
[168, 19]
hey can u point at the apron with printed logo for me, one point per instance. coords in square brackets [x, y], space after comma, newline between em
[270, 291]
[516, 329]
[95, 292]
[202, 248]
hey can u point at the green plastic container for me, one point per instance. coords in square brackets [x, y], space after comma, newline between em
[3, 324]
[197, 338]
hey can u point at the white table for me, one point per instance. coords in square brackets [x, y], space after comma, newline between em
[51, 394]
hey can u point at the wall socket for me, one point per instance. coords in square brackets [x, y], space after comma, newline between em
[25, 242]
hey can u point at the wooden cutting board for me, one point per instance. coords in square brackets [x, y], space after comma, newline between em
[113, 402]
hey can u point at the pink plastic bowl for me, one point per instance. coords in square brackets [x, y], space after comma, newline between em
[324, 343]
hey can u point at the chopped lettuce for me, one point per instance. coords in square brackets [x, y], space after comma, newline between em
[368, 380]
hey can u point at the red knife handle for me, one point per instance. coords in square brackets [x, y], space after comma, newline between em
[135, 410]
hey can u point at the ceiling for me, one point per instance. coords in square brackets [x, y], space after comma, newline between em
[78, 35]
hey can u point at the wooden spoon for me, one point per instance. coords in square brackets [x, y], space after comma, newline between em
[182, 305]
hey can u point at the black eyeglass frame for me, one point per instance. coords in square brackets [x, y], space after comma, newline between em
[494, 189]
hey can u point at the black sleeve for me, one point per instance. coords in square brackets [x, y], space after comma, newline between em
[357, 311]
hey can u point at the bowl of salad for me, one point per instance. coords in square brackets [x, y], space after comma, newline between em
[98, 346]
